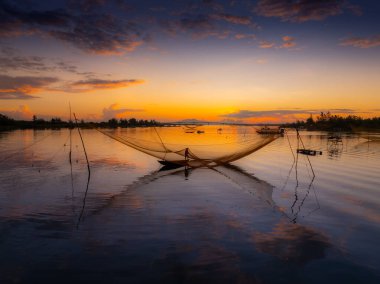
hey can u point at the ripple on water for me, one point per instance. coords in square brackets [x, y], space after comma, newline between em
[252, 221]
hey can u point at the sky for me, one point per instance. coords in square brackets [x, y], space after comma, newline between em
[264, 61]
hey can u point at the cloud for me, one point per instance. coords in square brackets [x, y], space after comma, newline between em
[116, 27]
[34, 63]
[362, 42]
[15, 21]
[292, 243]
[288, 42]
[279, 113]
[200, 26]
[288, 38]
[245, 36]
[300, 10]
[67, 67]
[114, 111]
[86, 5]
[266, 44]
[22, 87]
[101, 34]
[196, 22]
[23, 112]
[89, 30]
[101, 84]
[237, 20]
[10, 60]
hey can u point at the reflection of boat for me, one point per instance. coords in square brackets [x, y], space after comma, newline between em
[269, 130]
[335, 138]
[309, 152]
[260, 189]
[169, 165]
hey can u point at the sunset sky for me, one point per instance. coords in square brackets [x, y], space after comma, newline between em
[251, 61]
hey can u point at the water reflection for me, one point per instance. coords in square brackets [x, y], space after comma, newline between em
[225, 225]
[292, 242]
[334, 145]
[259, 189]
[294, 208]
[335, 150]
[84, 198]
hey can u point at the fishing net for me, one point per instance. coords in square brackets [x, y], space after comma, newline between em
[204, 146]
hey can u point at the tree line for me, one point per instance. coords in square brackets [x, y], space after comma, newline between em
[56, 122]
[330, 122]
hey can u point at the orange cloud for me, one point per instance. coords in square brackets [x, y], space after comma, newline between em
[23, 112]
[22, 87]
[299, 11]
[288, 38]
[266, 44]
[119, 49]
[114, 111]
[288, 42]
[362, 42]
[281, 115]
[107, 84]
[237, 20]
[100, 84]
[245, 36]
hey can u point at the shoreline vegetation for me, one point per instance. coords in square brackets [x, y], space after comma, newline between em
[330, 122]
[7, 123]
[323, 122]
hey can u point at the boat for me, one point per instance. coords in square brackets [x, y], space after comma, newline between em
[205, 150]
[167, 165]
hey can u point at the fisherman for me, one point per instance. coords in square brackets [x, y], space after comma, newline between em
[186, 154]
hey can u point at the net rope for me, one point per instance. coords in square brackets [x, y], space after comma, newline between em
[194, 155]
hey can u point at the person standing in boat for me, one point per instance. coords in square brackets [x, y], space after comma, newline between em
[187, 154]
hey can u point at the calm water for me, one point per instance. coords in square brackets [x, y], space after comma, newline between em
[263, 219]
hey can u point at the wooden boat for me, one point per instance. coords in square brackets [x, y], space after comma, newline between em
[171, 165]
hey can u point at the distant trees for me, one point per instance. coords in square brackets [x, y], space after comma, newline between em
[5, 120]
[133, 122]
[57, 122]
[329, 122]
[113, 122]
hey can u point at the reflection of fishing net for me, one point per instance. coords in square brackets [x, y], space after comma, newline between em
[210, 148]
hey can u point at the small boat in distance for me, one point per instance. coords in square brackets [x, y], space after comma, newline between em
[269, 130]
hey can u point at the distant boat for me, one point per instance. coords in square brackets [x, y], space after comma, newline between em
[268, 130]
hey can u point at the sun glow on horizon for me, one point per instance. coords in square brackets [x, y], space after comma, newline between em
[257, 66]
